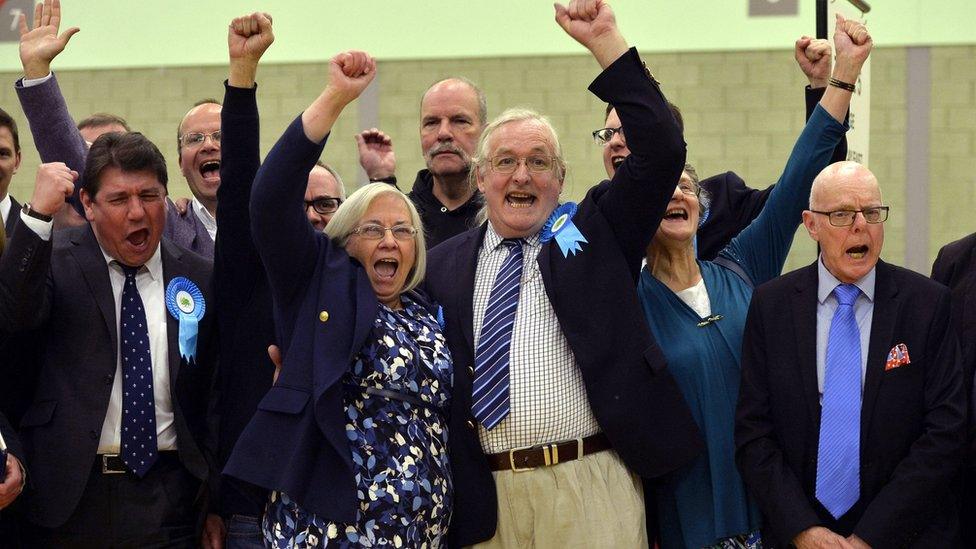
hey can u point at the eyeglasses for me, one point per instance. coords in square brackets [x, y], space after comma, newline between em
[603, 136]
[373, 231]
[324, 204]
[535, 163]
[845, 218]
[196, 139]
[688, 188]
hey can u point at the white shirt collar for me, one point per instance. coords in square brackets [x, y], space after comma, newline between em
[154, 266]
[5, 206]
[493, 239]
[203, 214]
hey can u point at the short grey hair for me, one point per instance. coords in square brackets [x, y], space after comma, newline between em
[479, 93]
[481, 160]
[704, 197]
[347, 217]
[335, 174]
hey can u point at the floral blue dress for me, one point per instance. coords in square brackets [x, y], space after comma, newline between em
[398, 443]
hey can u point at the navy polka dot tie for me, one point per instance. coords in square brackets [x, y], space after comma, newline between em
[139, 450]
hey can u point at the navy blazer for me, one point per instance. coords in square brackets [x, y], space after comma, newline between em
[912, 417]
[62, 286]
[324, 309]
[593, 293]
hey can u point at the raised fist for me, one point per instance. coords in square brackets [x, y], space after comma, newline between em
[54, 183]
[249, 36]
[376, 153]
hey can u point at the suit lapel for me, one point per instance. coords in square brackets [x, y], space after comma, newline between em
[882, 331]
[173, 267]
[94, 269]
[12, 216]
[804, 305]
[466, 265]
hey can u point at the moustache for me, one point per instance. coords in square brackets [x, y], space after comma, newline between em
[448, 148]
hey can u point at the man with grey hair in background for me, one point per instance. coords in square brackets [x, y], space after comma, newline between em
[453, 113]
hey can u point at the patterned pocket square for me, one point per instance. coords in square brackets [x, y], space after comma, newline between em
[897, 357]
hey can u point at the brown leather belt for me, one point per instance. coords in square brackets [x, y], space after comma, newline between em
[526, 459]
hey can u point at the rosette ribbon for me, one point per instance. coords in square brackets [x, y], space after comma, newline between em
[560, 226]
[185, 303]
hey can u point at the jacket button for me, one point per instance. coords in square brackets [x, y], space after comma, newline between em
[470, 424]
[92, 435]
[108, 379]
[471, 370]
[324, 316]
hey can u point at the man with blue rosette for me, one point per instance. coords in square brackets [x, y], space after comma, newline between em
[114, 433]
[562, 399]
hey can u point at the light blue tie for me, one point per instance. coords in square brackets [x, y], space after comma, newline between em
[491, 383]
[838, 454]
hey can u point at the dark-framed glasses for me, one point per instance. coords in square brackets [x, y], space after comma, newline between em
[604, 135]
[195, 139]
[375, 231]
[323, 204]
[536, 163]
[845, 218]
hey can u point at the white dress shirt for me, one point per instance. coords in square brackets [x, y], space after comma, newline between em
[5, 206]
[203, 214]
[827, 306]
[546, 391]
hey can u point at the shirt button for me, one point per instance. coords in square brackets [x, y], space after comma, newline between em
[324, 316]
[471, 370]
[443, 209]
[470, 424]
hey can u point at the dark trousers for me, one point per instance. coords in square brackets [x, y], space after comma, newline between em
[123, 511]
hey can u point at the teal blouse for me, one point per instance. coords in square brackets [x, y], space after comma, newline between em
[707, 501]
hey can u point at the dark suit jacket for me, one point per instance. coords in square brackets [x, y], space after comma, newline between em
[13, 217]
[62, 286]
[955, 266]
[734, 205]
[593, 293]
[912, 417]
[58, 140]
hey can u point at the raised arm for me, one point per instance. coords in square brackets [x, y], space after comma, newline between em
[55, 134]
[376, 154]
[762, 247]
[641, 187]
[284, 238]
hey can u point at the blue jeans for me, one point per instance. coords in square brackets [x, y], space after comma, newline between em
[244, 532]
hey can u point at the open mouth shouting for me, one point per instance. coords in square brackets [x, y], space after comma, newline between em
[138, 240]
[676, 214]
[616, 160]
[857, 252]
[519, 200]
[210, 170]
[386, 268]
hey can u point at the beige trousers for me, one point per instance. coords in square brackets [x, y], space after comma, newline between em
[591, 502]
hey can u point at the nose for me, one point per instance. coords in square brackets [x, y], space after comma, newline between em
[521, 173]
[136, 209]
[388, 241]
[860, 223]
[444, 131]
[209, 142]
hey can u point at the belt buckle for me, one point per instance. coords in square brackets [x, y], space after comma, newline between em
[550, 455]
[105, 469]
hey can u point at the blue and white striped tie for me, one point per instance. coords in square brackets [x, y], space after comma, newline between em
[838, 452]
[491, 383]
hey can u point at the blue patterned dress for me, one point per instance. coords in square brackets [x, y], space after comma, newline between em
[399, 446]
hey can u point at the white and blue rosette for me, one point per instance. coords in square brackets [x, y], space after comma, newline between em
[561, 227]
[185, 302]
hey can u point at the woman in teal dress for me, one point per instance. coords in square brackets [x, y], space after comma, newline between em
[697, 311]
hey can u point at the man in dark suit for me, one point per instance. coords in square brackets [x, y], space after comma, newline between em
[9, 164]
[852, 411]
[58, 139]
[578, 372]
[955, 266]
[114, 433]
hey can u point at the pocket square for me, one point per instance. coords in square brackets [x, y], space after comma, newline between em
[897, 357]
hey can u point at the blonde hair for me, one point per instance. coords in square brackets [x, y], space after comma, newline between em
[347, 217]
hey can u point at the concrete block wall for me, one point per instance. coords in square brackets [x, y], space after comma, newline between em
[742, 111]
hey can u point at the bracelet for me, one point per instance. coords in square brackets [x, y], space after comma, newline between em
[390, 179]
[31, 212]
[841, 84]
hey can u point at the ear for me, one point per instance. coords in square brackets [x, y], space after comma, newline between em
[810, 223]
[479, 179]
[17, 164]
[88, 204]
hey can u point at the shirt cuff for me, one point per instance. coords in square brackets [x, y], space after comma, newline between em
[28, 82]
[40, 228]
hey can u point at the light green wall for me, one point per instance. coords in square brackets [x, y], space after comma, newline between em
[139, 33]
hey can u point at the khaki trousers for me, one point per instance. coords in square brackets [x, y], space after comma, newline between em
[591, 502]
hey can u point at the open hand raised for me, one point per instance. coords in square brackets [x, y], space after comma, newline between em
[38, 47]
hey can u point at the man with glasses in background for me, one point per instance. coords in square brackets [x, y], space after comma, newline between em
[852, 416]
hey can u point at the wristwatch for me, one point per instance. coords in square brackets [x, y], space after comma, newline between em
[36, 214]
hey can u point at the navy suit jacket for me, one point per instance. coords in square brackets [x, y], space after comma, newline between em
[62, 286]
[58, 140]
[913, 417]
[13, 217]
[593, 293]
[955, 266]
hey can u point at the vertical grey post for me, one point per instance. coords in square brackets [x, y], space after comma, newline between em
[918, 103]
[368, 114]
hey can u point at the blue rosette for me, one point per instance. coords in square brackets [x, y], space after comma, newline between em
[560, 227]
[185, 302]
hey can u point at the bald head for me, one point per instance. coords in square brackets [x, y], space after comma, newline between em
[459, 86]
[838, 178]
